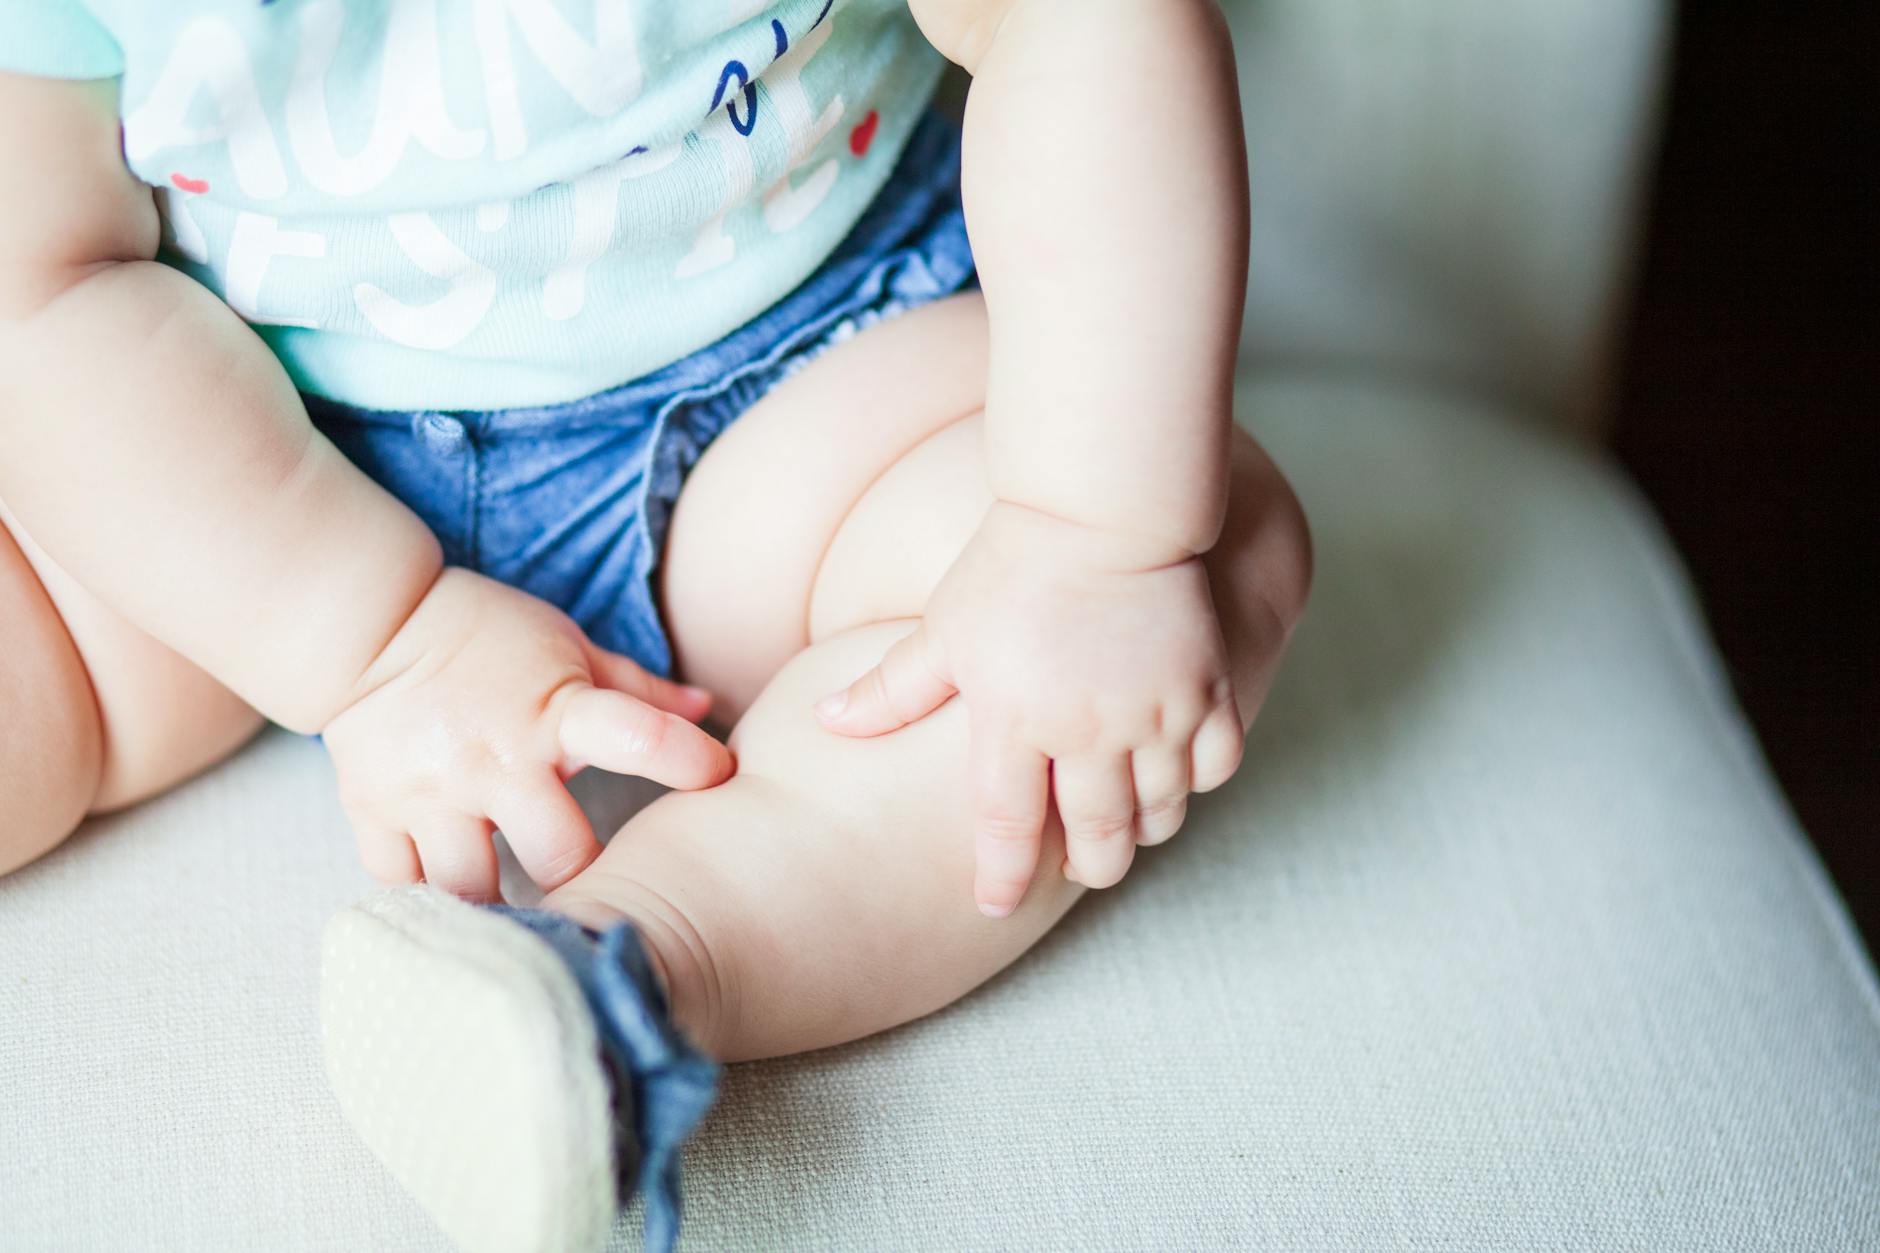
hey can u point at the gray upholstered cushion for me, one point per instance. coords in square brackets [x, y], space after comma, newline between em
[1504, 938]
[1447, 190]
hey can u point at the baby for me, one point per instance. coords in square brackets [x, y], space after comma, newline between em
[353, 356]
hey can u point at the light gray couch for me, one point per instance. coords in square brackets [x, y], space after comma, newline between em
[1504, 938]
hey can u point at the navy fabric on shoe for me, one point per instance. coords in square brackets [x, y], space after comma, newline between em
[663, 1085]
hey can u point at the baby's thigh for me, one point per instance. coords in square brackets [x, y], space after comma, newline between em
[50, 741]
[155, 717]
[764, 504]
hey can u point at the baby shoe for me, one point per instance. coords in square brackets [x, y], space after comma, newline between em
[517, 1072]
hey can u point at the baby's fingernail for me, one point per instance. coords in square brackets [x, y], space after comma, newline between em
[1070, 873]
[832, 705]
[994, 911]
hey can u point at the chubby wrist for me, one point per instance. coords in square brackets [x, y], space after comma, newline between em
[439, 625]
[1072, 541]
[388, 655]
[367, 657]
[1152, 479]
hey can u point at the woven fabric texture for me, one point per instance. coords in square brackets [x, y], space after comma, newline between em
[1503, 938]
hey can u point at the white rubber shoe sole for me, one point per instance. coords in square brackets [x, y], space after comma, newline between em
[463, 1053]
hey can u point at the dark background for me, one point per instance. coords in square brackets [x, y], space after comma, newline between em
[1748, 406]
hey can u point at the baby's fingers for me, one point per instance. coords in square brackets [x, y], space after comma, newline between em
[619, 733]
[546, 830]
[905, 687]
[458, 856]
[626, 675]
[1161, 773]
[1215, 753]
[388, 856]
[1011, 788]
[1097, 801]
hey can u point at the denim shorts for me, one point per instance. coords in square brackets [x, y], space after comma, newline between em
[570, 502]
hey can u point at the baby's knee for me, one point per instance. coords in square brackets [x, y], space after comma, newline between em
[1266, 535]
[1261, 570]
[51, 755]
[51, 739]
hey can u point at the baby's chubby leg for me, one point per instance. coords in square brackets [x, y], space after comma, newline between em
[825, 892]
[97, 714]
[50, 742]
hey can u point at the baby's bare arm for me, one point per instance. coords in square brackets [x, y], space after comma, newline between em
[152, 444]
[1105, 186]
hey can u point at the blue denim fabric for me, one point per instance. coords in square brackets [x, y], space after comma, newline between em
[662, 1084]
[570, 502]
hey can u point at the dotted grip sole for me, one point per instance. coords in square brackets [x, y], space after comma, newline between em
[462, 1052]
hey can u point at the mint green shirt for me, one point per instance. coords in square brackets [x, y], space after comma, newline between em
[472, 204]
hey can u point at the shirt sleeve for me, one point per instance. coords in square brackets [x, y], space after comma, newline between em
[56, 39]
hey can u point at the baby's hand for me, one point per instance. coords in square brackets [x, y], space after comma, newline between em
[473, 717]
[1099, 679]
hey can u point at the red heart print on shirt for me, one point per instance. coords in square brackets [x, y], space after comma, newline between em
[864, 134]
[194, 186]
